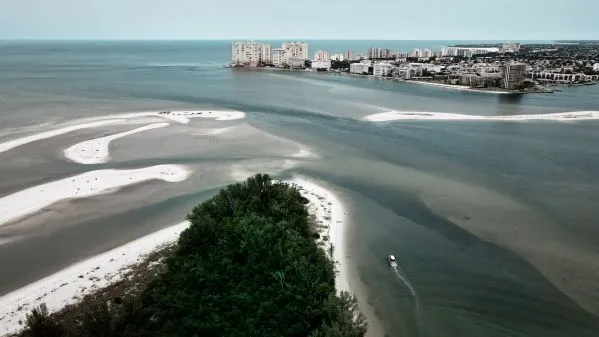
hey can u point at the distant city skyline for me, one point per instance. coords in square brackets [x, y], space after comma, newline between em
[312, 19]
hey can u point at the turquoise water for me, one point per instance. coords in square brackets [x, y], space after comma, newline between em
[493, 223]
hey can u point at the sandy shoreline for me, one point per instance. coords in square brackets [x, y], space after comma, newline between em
[330, 213]
[442, 116]
[69, 285]
[34, 199]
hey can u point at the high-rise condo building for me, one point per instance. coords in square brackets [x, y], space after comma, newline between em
[321, 55]
[250, 53]
[513, 75]
[296, 50]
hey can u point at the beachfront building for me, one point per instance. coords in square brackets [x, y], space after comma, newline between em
[295, 62]
[403, 72]
[349, 55]
[362, 67]
[427, 53]
[382, 69]
[250, 53]
[480, 81]
[296, 50]
[416, 52]
[278, 57]
[266, 54]
[321, 65]
[321, 55]
[513, 75]
[557, 77]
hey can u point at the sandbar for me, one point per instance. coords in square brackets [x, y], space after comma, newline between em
[96, 151]
[34, 199]
[11, 144]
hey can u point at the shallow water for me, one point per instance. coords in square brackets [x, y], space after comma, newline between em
[493, 223]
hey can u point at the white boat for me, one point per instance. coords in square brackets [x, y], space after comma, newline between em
[392, 261]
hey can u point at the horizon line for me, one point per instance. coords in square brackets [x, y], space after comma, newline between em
[274, 39]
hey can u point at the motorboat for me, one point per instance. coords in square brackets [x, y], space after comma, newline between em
[392, 261]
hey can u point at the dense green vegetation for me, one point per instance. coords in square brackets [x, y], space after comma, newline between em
[247, 266]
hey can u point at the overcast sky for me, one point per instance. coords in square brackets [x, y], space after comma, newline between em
[307, 19]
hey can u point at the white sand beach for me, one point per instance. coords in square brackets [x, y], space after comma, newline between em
[443, 116]
[70, 285]
[330, 214]
[96, 151]
[53, 133]
[182, 117]
[34, 199]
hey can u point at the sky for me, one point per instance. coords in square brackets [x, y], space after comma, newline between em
[300, 19]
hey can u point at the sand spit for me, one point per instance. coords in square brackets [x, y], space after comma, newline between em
[53, 133]
[34, 199]
[96, 151]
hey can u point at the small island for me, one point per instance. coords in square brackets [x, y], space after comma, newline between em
[249, 264]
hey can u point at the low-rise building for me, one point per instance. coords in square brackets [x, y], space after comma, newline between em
[382, 69]
[360, 67]
[404, 73]
[596, 67]
[296, 62]
[476, 80]
[321, 65]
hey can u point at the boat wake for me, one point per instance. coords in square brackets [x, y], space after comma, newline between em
[413, 294]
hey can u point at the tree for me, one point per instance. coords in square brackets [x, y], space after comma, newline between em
[39, 324]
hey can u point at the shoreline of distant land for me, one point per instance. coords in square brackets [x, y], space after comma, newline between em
[491, 90]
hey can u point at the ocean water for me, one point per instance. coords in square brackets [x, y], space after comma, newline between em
[493, 223]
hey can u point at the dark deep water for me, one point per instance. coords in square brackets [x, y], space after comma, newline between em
[493, 223]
